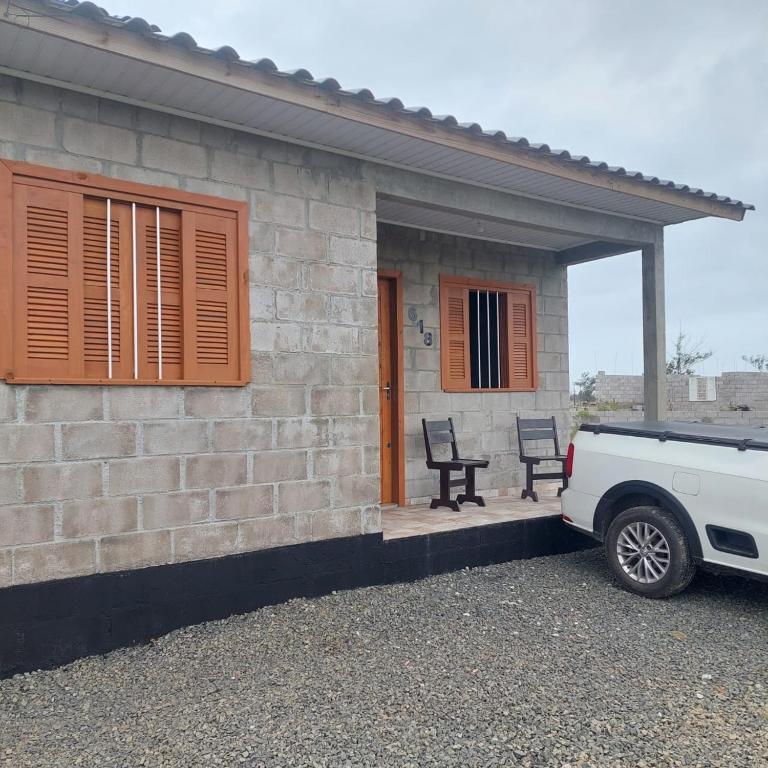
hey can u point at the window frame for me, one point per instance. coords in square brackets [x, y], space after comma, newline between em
[448, 282]
[95, 185]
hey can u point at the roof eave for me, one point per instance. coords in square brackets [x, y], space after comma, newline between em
[133, 44]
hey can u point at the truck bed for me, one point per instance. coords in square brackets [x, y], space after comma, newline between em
[727, 435]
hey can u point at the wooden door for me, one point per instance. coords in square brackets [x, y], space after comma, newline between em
[389, 391]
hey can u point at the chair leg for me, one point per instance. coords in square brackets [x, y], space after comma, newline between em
[470, 494]
[528, 491]
[564, 485]
[445, 493]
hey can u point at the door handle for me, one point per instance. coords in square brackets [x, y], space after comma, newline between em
[388, 389]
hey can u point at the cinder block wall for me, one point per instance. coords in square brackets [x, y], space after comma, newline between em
[106, 478]
[619, 388]
[732, 388]
[485, 421]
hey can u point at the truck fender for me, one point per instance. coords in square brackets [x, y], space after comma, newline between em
[643, 488]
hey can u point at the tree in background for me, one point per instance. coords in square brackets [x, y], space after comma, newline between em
[758, 362]
[585, 387]
[687, 354]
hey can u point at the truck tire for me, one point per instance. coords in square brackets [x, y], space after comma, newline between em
[648, 552]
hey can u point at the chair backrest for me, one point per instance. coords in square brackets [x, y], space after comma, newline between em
[437, 432]
[536, 429]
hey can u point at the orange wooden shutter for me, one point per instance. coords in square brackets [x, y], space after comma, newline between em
[96, 330]
[210, 297]
[454, 329]
[160, 316]
[177, 290]
[48, 283]
[6, 272]
[522, 340]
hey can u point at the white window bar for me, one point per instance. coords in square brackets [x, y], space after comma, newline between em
[135, 298]
[498, 345]
[488, 331]
[479, 357]
[159, 299]
[109, 288]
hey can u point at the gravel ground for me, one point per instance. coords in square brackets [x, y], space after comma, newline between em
[533, 663]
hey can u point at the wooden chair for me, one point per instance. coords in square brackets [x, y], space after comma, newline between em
[539, 429]
[435, 433]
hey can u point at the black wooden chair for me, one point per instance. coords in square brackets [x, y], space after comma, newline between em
[539, 430]
[440, 432]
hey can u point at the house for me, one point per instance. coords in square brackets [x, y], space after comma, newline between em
[229, 295]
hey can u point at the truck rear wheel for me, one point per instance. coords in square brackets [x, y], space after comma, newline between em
[648, 552]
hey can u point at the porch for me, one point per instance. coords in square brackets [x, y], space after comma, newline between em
[473, 325]
[400, 522]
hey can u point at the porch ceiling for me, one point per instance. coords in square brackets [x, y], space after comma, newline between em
[433, 219]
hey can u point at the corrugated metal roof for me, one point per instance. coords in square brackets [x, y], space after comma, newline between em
[393, 105]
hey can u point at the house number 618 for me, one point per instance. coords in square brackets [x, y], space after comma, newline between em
[426, 336]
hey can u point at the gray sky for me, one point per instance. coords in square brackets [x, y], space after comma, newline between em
[674, 88]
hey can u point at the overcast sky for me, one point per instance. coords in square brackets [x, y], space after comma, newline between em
[674, 88]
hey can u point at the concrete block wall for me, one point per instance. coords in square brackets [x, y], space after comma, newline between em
[732, 388]
[107, 478]
[618, 388]
[485, 420]
[743, 388]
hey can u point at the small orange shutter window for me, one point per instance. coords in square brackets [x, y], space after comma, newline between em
[211, 306]
[487, 335]
[454, 324]
[521, 340]
[48, 282]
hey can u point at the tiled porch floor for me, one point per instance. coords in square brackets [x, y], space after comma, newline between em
[419, 519]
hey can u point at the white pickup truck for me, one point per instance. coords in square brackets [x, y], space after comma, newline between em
[666, 497]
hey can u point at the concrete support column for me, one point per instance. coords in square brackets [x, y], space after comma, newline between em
[654, 332]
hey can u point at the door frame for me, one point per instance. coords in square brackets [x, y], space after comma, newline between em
[396, 276]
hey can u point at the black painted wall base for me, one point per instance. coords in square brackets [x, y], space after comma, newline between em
[49, 624]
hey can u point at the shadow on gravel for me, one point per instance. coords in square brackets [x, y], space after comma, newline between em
[730, 591]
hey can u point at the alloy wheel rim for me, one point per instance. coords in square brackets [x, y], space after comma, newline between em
[643, 552]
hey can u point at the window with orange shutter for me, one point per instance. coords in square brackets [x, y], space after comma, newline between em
[104, 281]
[488, 335]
